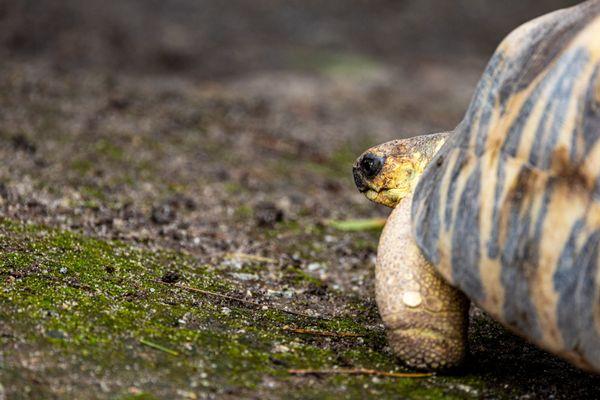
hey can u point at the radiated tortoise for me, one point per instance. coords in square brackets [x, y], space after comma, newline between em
[504, 210]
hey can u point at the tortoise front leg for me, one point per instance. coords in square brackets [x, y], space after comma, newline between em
[426, 319]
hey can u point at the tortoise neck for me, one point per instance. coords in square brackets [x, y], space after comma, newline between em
[425, 147]
[429, 145]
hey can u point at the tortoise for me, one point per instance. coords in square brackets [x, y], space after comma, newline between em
[504, 210]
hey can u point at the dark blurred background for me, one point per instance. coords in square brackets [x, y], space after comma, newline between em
[125, 105]
[214, 39]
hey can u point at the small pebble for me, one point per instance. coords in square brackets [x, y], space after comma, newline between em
[242, 276]
[267, 214]
[170, 277]
[163, 214]
[279, 348]
[56, 334]
[314, 266]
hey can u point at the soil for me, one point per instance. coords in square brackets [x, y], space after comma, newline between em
[167, 199]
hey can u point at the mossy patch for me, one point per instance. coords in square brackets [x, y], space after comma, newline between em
[82, 317]
[100, 308]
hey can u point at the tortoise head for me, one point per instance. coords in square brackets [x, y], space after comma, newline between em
[389, 172]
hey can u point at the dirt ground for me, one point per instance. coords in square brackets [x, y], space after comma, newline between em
[170, 174]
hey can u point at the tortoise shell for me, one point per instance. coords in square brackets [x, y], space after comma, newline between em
[509, 208]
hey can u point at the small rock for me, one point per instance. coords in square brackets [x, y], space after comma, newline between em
[118, 223]
[279, 348]
[296, 259]
[186, 394]
[269, 382]
[178, 234]
[118, 103]
[274, 293]
[63, 270]
[170, 277]
[277, 361]
[241, 276]
[314, 266]
[181, 201]
[222, 174]
[466, 388]
[319, 290]
[3, 190]
[163, 214]
[233, 264]
[22, 143]
[56, 334]
[267, 214]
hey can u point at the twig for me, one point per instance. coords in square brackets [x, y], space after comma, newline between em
[358, 371]
[209, 293]
[321, 333]
[240, 300]
[357, 225]
[157, 346]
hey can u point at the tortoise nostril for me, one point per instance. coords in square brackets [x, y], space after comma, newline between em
[371, 165]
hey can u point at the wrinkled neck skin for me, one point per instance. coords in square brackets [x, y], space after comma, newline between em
[422, 150]
[429, 145]
[425, 147]
[426, 319]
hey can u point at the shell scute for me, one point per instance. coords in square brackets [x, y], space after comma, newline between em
[501, 215]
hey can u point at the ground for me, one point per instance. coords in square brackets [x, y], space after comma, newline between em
[165, 235]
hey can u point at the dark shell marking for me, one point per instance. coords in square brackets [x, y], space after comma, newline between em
[509, 209]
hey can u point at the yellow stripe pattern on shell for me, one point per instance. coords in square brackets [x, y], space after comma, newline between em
[509, 209]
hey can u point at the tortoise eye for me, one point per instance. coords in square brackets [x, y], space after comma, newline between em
[371, 165]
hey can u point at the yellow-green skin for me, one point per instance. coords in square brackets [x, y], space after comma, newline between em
[426, 319]
[405, 161]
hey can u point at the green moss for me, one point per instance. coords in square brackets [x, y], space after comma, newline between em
[243, 212]
[92, 193]
[137, 396]
[108, 149]
[101, 306]
[82, 166]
